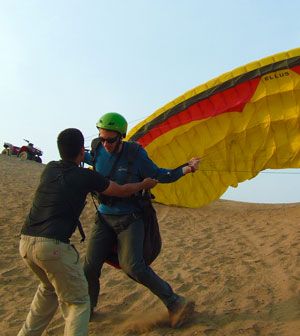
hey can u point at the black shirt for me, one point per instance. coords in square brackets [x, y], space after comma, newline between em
[60, 199]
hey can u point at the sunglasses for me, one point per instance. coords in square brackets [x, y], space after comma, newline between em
[109, 140]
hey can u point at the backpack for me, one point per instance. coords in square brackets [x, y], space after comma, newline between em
[152, 238]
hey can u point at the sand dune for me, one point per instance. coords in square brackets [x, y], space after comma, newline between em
[239, 261]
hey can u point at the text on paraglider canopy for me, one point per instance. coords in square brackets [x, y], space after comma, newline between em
[276, 75]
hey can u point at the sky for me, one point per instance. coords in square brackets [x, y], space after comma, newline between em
[65, 63]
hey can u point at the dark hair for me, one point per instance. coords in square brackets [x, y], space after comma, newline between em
[69, 143]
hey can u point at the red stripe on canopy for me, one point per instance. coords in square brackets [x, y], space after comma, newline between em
[231, 100]
[296, 69]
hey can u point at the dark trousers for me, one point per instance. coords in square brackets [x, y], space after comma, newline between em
[128, 232]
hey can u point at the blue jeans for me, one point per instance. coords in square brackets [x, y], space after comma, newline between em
[128, 232]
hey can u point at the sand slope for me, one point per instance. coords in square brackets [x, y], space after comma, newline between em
[239, 261]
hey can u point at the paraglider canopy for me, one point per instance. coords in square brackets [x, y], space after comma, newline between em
[240, 123]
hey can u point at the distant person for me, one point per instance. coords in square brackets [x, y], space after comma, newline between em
[122, 220]
[45, 237]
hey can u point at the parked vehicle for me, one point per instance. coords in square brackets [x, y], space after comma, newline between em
[10, 149]
[29, 152]
[26, 152]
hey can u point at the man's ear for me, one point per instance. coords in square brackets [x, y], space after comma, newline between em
[81, 154]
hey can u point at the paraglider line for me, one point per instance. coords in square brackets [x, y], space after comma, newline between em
[249, 171]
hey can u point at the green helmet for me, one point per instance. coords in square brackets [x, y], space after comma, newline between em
[113, 121]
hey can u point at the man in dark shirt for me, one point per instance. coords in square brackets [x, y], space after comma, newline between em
[45, 237]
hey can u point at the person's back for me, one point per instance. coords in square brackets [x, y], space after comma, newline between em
[59, 200]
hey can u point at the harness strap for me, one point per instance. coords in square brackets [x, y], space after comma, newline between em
[80, 229]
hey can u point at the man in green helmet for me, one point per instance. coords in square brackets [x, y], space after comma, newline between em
[121, 221]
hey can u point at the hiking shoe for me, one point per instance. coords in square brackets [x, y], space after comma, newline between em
[180, 311]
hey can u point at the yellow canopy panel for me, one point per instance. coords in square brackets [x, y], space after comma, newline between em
[240, 123]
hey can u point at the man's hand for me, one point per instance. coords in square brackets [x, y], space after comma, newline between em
[194, 164]
[149, 183]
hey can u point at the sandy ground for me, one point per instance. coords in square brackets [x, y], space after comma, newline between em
[240, 262]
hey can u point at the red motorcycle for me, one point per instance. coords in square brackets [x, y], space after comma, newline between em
[26, 152]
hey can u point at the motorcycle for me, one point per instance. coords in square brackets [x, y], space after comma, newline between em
[26, 152]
